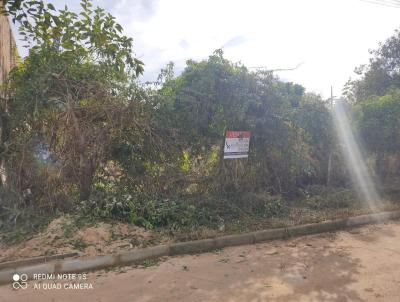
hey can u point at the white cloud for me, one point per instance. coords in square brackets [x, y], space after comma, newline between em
[331, 37]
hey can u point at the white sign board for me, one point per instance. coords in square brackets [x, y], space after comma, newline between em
[237, 144]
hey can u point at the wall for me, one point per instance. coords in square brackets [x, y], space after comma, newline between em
[8, 50]
[8, 58]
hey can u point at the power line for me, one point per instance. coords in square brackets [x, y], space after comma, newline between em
[392, 3]
[379, 3]
[395, 2]
[387, 3]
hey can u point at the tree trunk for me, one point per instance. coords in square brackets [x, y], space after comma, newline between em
[380, 167]
[87, 170]
[329, 174]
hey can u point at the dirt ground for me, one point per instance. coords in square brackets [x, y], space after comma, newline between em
[62, 236]
[357, 265]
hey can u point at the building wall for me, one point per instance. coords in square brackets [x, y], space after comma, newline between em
[8, 49]
[8, 58]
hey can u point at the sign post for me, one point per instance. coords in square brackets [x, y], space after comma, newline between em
[236, 144]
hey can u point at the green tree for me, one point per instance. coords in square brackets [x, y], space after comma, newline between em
[314, 117]
[376, 95]
[380, 75]
[215, 95]
[72, 91]
[379, 123]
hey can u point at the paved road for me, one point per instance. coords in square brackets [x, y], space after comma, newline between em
[358, 265]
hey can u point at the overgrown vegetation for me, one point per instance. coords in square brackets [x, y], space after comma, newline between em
[80, 134]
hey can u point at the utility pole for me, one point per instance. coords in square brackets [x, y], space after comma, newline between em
[328, 179]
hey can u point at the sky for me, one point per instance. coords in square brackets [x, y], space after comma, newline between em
[328, 38]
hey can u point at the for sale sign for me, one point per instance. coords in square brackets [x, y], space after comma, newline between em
[236, 144]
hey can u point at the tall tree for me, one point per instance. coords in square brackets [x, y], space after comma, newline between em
[72, 91]
[380, 75]
[215, 95]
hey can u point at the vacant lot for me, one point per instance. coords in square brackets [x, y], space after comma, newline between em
[357, 265]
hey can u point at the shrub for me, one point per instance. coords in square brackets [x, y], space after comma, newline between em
[319, 197]
[262, 204]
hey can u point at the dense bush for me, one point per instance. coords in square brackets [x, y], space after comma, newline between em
[79, 133]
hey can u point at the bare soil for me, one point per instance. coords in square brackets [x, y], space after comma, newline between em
[62, 236]
[66, 235]
[362, 264]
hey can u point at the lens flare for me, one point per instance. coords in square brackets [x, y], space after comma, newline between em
[354, 159]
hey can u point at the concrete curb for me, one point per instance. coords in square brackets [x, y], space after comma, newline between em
[35, 260]
[101, 262]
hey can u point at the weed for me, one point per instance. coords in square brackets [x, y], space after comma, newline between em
[69, 230]
[79, 244]
[224, 260]
[150, 262]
